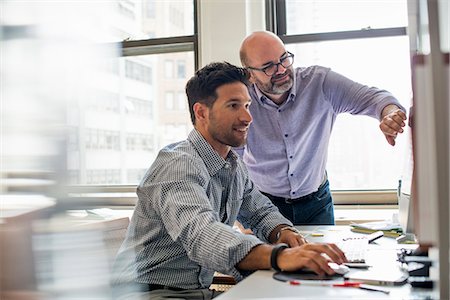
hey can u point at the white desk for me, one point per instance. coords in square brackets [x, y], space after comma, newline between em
[382, 254]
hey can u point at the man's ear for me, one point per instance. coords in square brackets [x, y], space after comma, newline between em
[252, 79]
[200, 111]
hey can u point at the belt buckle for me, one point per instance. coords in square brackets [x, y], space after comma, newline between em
[288, 201]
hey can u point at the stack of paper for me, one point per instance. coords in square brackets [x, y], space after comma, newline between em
[389, 229]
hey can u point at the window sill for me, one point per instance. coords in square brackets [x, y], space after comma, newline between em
[348, 214]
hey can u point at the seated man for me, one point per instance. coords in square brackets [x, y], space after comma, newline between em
[181, 230]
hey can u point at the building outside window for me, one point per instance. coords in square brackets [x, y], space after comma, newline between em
[181, 69]
[118, 128]
[168, 64]
[182, 101]
[169, 101]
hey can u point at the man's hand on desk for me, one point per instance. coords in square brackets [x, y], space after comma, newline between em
[310, 256]
[290, 251]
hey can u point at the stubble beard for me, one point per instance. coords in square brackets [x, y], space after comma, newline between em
[223, 136]
[275, 89]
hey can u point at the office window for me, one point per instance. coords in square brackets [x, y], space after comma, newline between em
[111, 100]
[103, 176]
[114, 101]
[315, 16]
[176, 15]
[134, 133]
[140, 20]
[72, 138]
[175, 132]
[359, 160]
[358, 155]
[135, 175]
[150, 9]
[127, 9]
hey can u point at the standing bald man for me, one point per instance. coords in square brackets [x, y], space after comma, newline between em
[294, 111]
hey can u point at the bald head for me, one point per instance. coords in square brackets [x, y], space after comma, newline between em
[257, 44]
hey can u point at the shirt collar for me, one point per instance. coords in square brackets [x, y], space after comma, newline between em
[213, 161]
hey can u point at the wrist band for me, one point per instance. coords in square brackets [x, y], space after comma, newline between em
[274, 255]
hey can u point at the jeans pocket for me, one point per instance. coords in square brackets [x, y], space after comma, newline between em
[324, 192]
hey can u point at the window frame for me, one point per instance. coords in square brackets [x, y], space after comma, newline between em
[277, 23]
[116, 195]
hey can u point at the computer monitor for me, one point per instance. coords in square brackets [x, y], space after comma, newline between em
[405, 189]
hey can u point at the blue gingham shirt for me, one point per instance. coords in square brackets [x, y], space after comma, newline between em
[287, 145]
[181, 230]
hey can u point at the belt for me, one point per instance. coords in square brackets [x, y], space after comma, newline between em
[147, 287]
[293, 200]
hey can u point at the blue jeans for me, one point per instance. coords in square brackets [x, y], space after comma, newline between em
[313, 209]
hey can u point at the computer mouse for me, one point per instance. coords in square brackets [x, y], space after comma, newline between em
[339, 269]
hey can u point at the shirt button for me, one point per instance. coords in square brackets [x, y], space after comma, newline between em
[286, 135]
[279, 110]
[292, 174]
[227, 166]
[290, 156]
[293, 193]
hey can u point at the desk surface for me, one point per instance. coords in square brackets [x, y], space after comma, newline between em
[382, 254]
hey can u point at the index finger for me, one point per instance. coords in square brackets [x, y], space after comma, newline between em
[333, 251]
[339, 255]
[402, 114]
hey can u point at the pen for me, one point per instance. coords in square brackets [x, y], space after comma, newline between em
[321, 283]
[355, 284]
[373, 288]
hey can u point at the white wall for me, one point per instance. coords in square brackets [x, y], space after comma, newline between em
[224, 24]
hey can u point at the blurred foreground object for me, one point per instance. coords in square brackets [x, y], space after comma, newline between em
[47, 59]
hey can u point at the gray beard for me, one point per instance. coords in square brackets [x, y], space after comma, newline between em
[279, 90]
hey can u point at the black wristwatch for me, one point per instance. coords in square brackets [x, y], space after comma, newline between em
[277, 248]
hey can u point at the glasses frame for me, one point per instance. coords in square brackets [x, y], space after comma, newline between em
[264, 70]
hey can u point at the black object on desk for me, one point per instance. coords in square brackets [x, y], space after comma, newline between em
[420, 282]
[303, 275]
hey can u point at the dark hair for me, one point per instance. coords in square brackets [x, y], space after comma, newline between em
[202, 86]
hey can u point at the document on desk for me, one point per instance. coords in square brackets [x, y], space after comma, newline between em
[383, 225]
[389, 229]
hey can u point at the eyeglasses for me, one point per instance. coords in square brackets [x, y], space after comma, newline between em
[272, 68]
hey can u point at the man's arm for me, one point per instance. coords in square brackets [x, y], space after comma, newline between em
[292, 259]
[392, 122]
[348, 96]
[258, 213]
[355, 98]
